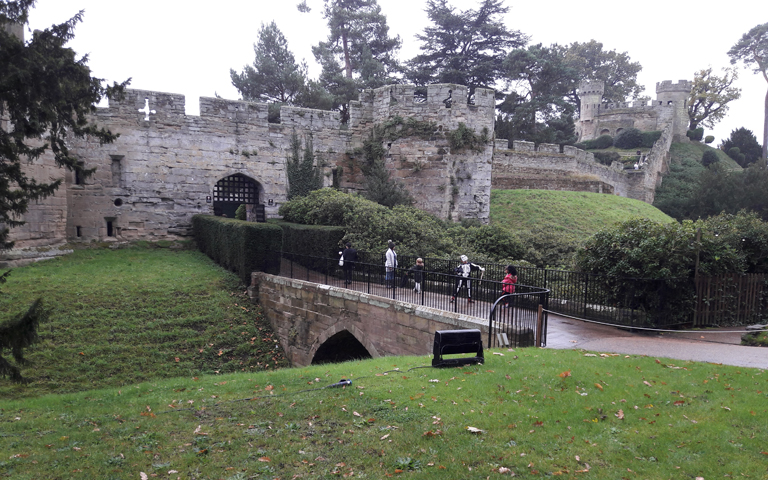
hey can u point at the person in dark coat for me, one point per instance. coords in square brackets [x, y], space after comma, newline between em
[349, 255]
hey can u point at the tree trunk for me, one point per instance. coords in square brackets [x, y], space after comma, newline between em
[765, 128]
[347, 63]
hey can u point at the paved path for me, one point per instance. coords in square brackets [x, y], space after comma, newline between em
[566, 333]
[712, 347]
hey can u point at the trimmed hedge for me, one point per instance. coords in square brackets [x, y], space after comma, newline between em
[649, 138]
[319, 241]
[242, 247]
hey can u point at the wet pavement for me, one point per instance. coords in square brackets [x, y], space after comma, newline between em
[712, 346]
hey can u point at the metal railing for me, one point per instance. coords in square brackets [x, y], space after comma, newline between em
[520, 323]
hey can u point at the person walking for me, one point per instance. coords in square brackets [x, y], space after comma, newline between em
[463, 272]
[418, 274]
[509, 285]
[390, 265]
[349, 255]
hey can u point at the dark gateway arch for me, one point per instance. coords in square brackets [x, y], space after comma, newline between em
[232, 191]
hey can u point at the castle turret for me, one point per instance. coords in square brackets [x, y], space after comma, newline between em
[590, 95]
[675, 95]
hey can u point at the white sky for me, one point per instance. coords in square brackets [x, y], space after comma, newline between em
[188, 47]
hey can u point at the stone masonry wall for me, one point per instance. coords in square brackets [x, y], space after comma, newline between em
[162, 169]
[574, 169]
[304, 315]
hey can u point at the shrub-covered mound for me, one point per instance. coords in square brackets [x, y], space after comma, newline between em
[369, 226]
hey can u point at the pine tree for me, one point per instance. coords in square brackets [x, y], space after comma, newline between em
[46, 96]
[358, 53]
[464, 47]
[275, 76]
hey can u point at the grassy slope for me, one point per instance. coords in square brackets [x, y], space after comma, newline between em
[579, 214]
[694, 151]
[124, 316]
[541, 413]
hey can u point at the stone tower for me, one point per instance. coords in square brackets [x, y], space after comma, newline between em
[676, 96]
[591, 95]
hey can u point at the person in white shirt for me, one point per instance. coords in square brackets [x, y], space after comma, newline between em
[462, 272]
[391, 264]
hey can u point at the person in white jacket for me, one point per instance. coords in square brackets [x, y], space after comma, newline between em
[391, 264]
[462, 273]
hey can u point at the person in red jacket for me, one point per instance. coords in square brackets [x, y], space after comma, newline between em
[509, 285]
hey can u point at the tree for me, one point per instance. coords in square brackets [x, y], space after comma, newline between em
[616, 70]
[359, 53]
[46, 96]
[275, 76]
[710, 95]
[752, 49]
[541, 79]
[303, 174]
[744, 140]
[464, 47]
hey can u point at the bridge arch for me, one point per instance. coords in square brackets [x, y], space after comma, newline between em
[341, 342]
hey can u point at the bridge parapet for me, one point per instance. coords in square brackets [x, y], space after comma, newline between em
[305, 315]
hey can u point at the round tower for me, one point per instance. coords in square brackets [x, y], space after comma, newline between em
[590, 95]
[675, 96]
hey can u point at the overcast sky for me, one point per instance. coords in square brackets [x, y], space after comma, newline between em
[188, 47]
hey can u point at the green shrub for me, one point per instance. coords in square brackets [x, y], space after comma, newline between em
[649, 138]
[709, 157]
[695, 135]
[629, 138]
[316, 240]
[242, 247]
[737, 156]
[603, 141]
[240, 213]
[607, 158]
[709, 139]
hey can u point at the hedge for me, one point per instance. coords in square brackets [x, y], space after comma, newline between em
[315, 240]
[239, 246]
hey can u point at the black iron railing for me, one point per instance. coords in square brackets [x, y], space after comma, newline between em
[437, 289]
[630, 302]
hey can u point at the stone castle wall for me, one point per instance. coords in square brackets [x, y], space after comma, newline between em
[163, 167]
[546, 168]
[602, 118]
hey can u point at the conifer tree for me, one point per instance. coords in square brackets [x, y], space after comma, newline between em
[303, 174]
[46, 96]
[358, 53]
[752, 49]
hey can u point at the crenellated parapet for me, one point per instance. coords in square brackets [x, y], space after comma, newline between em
[445, 104]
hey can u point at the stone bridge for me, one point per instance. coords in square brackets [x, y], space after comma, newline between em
[317, 323]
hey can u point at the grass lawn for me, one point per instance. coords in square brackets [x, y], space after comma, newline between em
[124, 316]
[580, 214]
[535, 412]
[139, 375]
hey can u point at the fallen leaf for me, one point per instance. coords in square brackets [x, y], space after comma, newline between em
[564, 374]
[498, 353]
[264, 459]
[356, 414]
[599, 387]
[384, 437]
[645, 382]
[474, 430]
[620, 414]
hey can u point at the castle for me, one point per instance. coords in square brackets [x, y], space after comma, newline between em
[669, 109]
[167, 166]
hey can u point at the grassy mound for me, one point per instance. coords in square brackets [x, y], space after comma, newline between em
[124, 316]
[536, 413]
[576, 214]
[694, 151]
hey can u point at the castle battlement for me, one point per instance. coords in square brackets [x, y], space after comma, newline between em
[445, 103]
[591, 87]
[681, 86]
